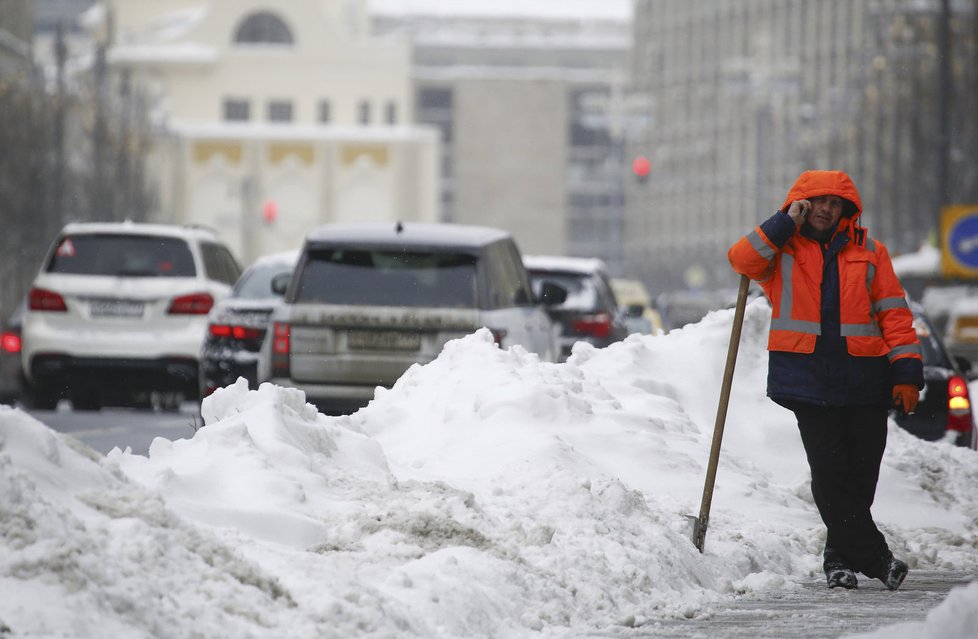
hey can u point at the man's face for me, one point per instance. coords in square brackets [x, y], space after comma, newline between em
[825, 213]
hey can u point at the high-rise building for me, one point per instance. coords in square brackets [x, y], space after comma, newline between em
[746, 95]
[48, 14]
[16, 27]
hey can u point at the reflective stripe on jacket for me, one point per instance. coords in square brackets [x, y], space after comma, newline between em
[841, 331]
[874, 317]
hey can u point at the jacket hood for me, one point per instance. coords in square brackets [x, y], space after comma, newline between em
[815, 183]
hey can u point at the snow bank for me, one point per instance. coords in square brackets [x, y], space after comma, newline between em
[486, 494]
[955, 618]
[84, 552]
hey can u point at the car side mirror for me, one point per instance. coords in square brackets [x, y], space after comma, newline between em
[280, 283]
[552, 294]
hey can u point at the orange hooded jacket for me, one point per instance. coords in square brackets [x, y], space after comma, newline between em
[874, 315]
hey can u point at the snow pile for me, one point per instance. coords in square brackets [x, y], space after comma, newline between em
[955, 618]
[84, 552]
[925, 261]
[486, 494]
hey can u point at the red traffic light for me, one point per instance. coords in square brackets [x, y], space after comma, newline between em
[270, 212]
[641, 166]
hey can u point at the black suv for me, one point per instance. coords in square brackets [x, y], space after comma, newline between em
[237, 324]
[11, 373]
[591, 312]
[944, 411]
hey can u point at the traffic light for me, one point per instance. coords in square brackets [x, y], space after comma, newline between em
[270, 212]
[641, 167]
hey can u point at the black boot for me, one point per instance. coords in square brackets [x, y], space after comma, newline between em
[840, 576]
[894, 573]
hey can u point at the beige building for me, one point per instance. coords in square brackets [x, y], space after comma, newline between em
[273, 118]
[526, 105]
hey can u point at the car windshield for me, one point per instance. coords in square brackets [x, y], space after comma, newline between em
[256, 282]
[582, 295]
[122, 255]
[389, 277]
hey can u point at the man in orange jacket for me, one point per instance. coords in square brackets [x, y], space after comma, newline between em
[842, 351]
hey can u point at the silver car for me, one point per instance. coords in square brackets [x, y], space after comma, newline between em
[369, 300]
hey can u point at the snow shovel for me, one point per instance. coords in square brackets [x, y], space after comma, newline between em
[700, 523]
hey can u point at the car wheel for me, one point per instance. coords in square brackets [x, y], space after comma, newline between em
[41, 398]
[166, 401]
[172, 402]
[86, 400]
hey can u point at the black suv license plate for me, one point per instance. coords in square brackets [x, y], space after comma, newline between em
[383, 340]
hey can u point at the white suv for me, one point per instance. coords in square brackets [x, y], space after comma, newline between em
[118, 313]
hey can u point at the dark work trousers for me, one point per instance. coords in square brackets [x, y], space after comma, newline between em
[844, 445]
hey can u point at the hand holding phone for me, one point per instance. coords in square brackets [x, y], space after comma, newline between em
[798, 210]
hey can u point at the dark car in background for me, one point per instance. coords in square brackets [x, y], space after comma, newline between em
[11, 373]
[944, 411]
[237, 325]
[591, 312]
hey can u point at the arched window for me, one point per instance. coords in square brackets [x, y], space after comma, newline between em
[263, 28]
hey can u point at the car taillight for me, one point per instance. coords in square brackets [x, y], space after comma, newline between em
[245, 332]
[598, 324]
[40, 299]
[220, 330]
[9, 342]
[193, 304]
[281, 348]
[497, 335]
[958, 405]
[235, 332]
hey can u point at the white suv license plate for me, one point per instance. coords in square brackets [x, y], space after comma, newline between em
[115, 308]
[383, 340]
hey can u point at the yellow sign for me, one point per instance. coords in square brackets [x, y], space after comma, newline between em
[206, 150]
[959, 241]
[377, 153]
[304, 153]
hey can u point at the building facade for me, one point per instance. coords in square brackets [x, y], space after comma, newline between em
[746, 95]
[48, 14]
[525, 106]
[16, 29]
[273, 119]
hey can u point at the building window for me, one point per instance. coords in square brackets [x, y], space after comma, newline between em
[363, 112]
[435, 106]
[237, 110]
[279, 111]
[435, 98]
[263, 27]
[390, 112]
[324, 113]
